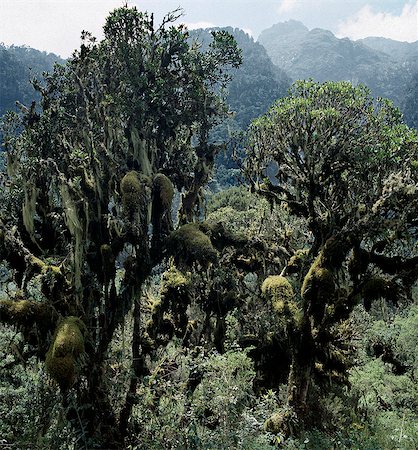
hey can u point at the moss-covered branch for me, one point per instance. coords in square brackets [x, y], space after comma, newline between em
[20, 258]
[27, 313]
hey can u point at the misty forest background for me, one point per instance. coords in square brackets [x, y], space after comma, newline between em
[219, 377]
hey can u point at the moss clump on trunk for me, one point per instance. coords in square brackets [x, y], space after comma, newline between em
[189, 244]
[319, 282]
[133, 187]
[280, 292]
[162, 198]
[297, 261]
[163, 190]
[66, 347]
[277, 288]
[279, 422]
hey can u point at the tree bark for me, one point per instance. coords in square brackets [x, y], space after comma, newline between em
[303, 359]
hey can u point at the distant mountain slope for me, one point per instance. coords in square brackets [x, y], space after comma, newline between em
[387, 67]
[282, 42]
[17, 66]
[409, 104]
[256, 84]
[401, 51]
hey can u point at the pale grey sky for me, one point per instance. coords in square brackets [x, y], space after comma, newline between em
[55, 25]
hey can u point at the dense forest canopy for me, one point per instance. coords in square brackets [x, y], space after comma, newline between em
[140, 311]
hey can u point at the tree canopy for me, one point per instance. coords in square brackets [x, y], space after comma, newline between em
[123, 124]
[347, 164]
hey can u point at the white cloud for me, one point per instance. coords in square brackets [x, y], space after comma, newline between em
[369, 23]
[52, 25]
[195, 25]
[287, 5]
[249, 31]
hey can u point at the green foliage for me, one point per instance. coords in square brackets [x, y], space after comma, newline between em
[379, 410]
[221, 412]
[386, 399]
[244, 212]
[312, 149]
[238, 209]
[409, 105]
[30, 415]
[324, 151]
[405, 337]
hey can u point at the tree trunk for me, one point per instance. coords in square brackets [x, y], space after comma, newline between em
[303, 359]
[91, 414]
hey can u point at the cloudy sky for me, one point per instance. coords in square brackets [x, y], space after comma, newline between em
[55, 25]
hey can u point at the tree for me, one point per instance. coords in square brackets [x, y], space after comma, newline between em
[123, 124]
[346, 163]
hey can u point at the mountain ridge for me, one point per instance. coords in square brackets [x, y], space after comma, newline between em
[386, 66]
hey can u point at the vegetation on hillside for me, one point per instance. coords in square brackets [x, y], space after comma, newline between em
[18, 65]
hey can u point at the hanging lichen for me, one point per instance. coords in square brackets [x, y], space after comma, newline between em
[75, 226]
[108, 261]
[140, 152]
[29, 209]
